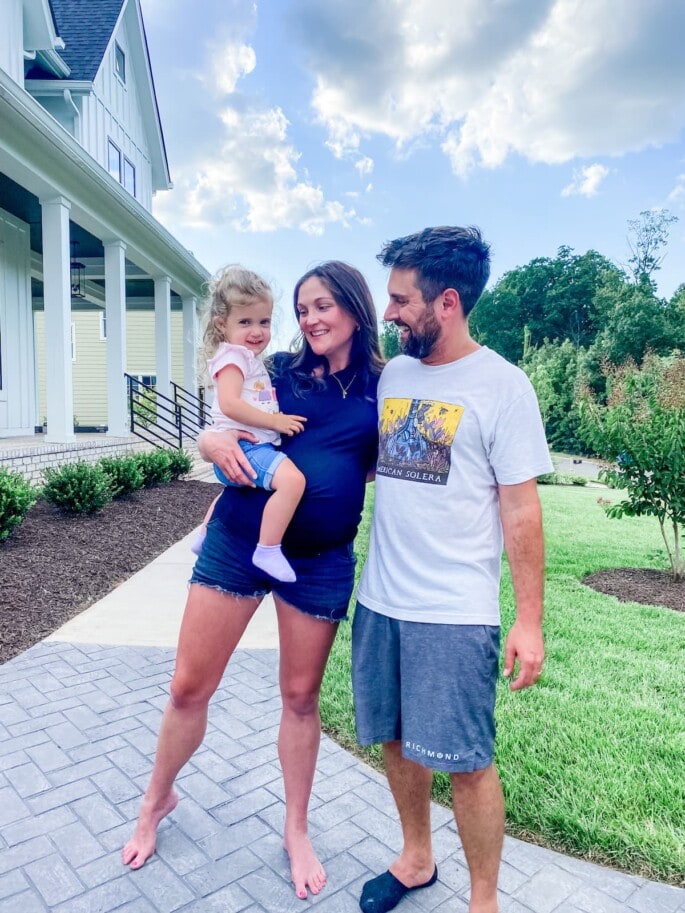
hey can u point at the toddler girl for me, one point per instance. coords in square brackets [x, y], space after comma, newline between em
[237, 331]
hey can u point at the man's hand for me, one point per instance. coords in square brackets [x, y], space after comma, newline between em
[222, 449]
[524, 648]
[288, 424]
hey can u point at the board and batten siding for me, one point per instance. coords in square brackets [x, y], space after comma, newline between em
[90, 366]
[114, 112]
[12, 39]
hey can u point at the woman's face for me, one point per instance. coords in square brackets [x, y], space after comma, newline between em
[327, 327]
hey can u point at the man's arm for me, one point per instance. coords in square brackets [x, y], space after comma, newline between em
[521, 517]
[222, 449]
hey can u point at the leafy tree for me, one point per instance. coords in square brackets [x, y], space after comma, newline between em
[636, 322]
[648, 237]
[641, 432]
[556, 371]
[556, 299]
[390, 340]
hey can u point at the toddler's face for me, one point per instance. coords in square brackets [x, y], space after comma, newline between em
[248, 326]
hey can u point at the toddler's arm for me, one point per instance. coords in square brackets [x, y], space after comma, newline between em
[229, 385]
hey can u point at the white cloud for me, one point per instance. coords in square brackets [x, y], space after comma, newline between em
[677, 196]
[586, 181]
[364, 165]
[547, 79]
[248, 177]
[229, 63]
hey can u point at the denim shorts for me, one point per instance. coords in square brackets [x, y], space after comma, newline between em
[430, 686]
[264, 459]
[324, 581]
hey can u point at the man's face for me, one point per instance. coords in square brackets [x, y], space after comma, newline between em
[418, 325]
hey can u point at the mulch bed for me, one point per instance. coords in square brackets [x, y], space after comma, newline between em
[639, 584]
[54, 566]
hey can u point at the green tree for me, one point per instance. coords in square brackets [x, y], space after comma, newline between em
[647, 240]
[556, 371]
[390, 340]
[641, 433]
[637, 322]
[555, 299]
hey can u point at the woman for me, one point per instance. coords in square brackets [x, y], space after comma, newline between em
[332, 382]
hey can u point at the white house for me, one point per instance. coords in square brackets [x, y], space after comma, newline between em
[81, 156]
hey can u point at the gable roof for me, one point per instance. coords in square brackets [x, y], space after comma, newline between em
[86, 28]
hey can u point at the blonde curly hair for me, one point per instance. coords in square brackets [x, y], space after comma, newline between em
[231, 287]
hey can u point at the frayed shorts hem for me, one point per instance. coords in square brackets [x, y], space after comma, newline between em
[259, 594]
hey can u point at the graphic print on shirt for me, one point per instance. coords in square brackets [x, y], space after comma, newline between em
[415, 439]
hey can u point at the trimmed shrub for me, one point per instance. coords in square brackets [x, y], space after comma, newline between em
[17, 497]
[79, 488]
[561, 478]
[124, 475]
[155, 467]
[180, 463]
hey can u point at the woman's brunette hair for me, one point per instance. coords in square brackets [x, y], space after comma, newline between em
[350, 291]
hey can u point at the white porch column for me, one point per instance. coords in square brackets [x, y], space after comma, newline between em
[190, 344]
[115, 312]
[57, 302]
[163, 334]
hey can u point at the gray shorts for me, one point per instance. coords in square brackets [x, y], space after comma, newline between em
[431, 686]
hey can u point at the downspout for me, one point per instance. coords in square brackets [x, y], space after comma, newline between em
[77, 115]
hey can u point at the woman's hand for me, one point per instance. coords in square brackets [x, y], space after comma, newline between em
[222, 449]
[288, 424]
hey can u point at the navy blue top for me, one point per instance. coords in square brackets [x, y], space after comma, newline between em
[335, 451]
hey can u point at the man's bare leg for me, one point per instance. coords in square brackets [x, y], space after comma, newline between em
[479, 813]
[410, 784]
[305, 645]
[210, 631]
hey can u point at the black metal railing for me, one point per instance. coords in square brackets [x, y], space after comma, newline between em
[162, 421]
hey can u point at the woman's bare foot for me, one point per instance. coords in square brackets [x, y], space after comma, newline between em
[142, 845]
[305, 869]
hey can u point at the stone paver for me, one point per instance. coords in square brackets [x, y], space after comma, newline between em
[77, 738]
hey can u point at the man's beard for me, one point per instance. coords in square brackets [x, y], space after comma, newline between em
[420, 343]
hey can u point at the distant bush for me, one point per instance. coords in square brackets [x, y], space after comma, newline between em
[180, 462]
[124, 475]
[17, 497]
[155, 467]
[561, 478]
[80, 488]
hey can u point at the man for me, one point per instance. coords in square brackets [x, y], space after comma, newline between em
[461, 445]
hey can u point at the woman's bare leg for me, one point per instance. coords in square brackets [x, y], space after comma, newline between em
[213, 623]
[305, 644]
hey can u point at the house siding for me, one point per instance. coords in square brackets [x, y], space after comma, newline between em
[16, 331]
[90, 367]
[114, 112]
[12, 39]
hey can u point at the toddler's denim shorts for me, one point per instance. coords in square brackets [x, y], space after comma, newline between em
[264, 459]
[430, 686]
[324, 581]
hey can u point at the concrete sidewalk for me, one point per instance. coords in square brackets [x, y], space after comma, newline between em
[79, 715]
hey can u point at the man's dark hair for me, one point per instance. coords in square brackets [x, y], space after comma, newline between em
[443, 257]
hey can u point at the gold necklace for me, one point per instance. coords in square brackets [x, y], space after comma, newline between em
[345, 388]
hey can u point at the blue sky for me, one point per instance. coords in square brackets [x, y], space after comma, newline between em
[304, 130]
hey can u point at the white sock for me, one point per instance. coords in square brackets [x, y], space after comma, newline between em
[198, 541]
[271, 559]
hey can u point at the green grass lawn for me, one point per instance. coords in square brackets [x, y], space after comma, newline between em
[592, 759]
